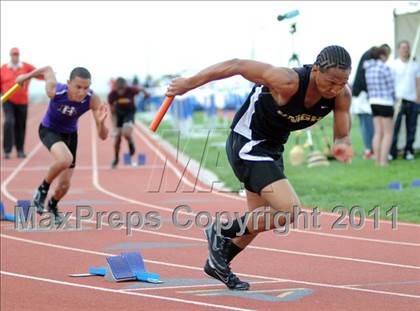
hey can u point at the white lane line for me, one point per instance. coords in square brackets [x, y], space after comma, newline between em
[18, 168]
[385, 283]
[117, 291]
[196, 285]
[44, 168]
[327, 285]
[349, 237]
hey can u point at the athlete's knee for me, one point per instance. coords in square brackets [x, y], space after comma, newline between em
[293, 209]
[286, 214]
[128, 125]
[126, 132]
[127, 128]
[65, 162]
[117, 133]
[292, 214]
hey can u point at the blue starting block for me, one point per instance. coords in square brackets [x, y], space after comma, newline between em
[415, 183]
[4, 215]
[395, 185]
[136, 264]
[125, 267]
[24, 205]
[128, 159]
[101, 271]
[119, 270]
[141, 159]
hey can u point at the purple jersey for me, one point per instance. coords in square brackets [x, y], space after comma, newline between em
[63, 114]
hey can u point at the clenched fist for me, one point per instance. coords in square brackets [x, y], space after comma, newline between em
[178, 86]
[342, 151]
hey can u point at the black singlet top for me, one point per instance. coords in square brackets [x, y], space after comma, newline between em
[260, 118]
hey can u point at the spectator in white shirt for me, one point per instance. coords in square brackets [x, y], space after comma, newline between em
[407, 90]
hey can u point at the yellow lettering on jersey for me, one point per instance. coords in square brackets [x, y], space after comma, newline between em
[299, 117]
[123, 101]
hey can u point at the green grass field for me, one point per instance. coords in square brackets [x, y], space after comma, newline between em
[359, 183]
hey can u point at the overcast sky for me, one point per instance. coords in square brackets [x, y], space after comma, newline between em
[127, 38]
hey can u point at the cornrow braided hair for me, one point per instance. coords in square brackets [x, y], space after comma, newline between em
[333, 56]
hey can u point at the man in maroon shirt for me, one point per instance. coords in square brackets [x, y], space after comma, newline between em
[121, 100]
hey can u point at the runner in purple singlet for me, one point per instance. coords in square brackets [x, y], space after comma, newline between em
[58, 129]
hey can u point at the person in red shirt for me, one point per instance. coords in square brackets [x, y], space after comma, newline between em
[16, 107]
[123, 109]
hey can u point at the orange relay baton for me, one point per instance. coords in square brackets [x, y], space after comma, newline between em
[161, 113]
[10, 92]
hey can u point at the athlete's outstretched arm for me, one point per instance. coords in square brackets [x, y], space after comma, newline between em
[277, 79]
[49, 76]
[100, 113]
[342, 124]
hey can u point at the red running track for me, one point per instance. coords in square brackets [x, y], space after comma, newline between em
[306, 270]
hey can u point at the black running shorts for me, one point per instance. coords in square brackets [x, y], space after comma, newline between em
[49, 137]
[124, 117]
[255, 164]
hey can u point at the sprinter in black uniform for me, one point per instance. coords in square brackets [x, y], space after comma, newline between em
[282, 100]
[123, 109]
